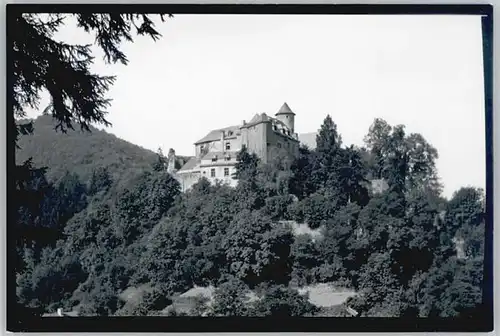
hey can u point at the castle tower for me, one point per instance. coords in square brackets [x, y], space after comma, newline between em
[286, 116]
[171, 161]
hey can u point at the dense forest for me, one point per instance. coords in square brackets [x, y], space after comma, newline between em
[80, 151]
[98, 218]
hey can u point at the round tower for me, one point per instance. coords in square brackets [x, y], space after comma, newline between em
[286, 116]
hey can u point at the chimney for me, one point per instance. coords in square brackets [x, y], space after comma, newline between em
[59, 312]
[244, 123]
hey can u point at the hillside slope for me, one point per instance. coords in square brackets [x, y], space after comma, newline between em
[80, 152]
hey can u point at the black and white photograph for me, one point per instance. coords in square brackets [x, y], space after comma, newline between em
[187, 166]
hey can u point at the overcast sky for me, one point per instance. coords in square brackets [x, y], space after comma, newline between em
[212, 71]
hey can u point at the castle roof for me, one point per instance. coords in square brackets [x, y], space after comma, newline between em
[214, 135]
[257, 119]
[285, 109]
[190, 164]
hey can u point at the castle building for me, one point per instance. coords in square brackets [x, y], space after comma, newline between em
[215, 153]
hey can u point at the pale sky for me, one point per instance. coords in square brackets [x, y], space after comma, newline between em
[213, 71]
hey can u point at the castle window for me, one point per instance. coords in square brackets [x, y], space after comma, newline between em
[283, 130]
[228, 145]
[214, 159]
[230, 133]
[288, 132]
[226, 171]
[279, 145]
[275, 127]
[212, 172]
[228, 158]
[268, 144]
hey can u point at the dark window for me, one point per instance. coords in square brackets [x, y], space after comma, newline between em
[230, 133]
[275, 127]
[268, 144]
[226, 171]
[283, 130]
[228, 158]
[228, 145]
[214, 159]
[212, 172]
[279, 145]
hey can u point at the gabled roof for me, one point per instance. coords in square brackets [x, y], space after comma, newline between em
[285, 109]
[255, 119]
[258, 118]
[215, 134]
[192, 162]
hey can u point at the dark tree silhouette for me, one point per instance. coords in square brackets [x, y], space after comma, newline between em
[328, 157]
[40, 62]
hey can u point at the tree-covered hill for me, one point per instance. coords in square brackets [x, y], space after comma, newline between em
[394, 248]
[84, 242]
[81, 152]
